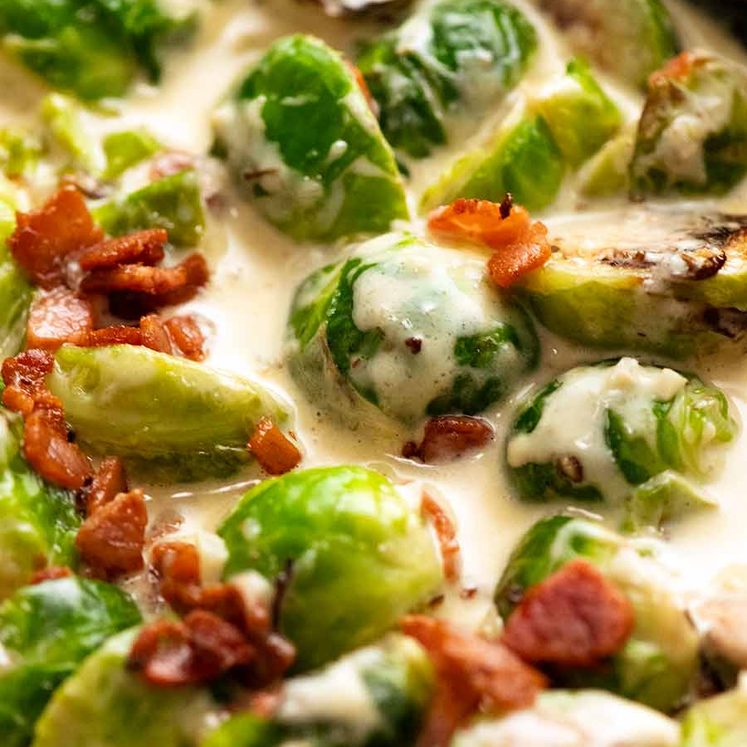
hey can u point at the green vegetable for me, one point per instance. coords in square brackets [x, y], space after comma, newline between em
[105, 705]
[359, 557]
[67, 127]
[300, 137]
[19, 152]
[173, 202]
[692, 137]
[374, 697]
[638, 432]
[452, 56]
[92, 48]
[126, 149]
[717, 722]
[608, 172]
[659, 662]
[167, 416]
[15, 294]
[411, 327]
[46, 631]
[628, 38]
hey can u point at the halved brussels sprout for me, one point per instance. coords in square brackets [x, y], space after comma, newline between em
[93, 48]
[315, 162]
[166, 416]
[104, 704]
[659, 662]
[720, 721]
[659, 279]
[125, 149]
[608, 172]
[46, 631]
[375, 696]
[355, 554]
[414, 328]
[450, 57]
[629, 38]
[619, 431]
[38, 522]
[692, 136]
[574, 718]
[15, 300]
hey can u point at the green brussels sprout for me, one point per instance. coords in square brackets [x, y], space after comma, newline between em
[692, 136]
[166, 416]
[15, 300]
[125, 149]
[67, 127]
[454, 55]
[659, 662]
[38, 522]
[46, 631]
[720, 721]
[93, 48]
[19, 152]
[104, 704]
[173, 202]
[574, 718]
[619, 431]
[316, 164]
[664, 280]
[608, 171]
[359, 557]
[411, 327]
[374, 696]
[628, 38]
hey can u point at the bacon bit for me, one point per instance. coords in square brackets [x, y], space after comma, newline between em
[155, 335]
[25, 379]
[170, 163]
[141, 247]
[473, 674]
[678, 68]
[186, 334]
[275, 452]
[508, 265]
[58, 316]
[111, 540]
[449, 437]
[177, 566]
[52, 573]
[415, 344]
[44, 238]
[573, 618]
[446, 534]
[109, 481]
[117, 334]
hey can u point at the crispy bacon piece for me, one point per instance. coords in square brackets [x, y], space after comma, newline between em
[449, 437]
[50, 450]
[58, 316]
[111, 540]
[574, 618]
[177, 565]
[51, 573]
[44, 238]
[186, 334]
[446, 534]
[118, 334]
[108, 482]
[678, 68]
[141, 247]
[155, 335]
[473, 674]
[275, 452]
[509, 264]
[25, 380]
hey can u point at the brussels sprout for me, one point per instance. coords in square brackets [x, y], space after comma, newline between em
[104, 704]
[658, 664]
[38, 523]
[19, 152]
[358, 556]
[574, 719]
[452, 56]
[666, 280]
[629, 38]
[125, 149]
[92, 48]
[173, 202]
[314, 163]
[608, 172]
[166, 416]
[67, 127]
[46, 631]
[374, 696]
[413, 328]
[717, 722]
[15, 300]
[618, 431]
[692, 136]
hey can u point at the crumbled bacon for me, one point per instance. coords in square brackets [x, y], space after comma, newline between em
[446, 534]
[44, 238]
[117, 334]
[512, 262]
[449, 437]
[275, 452]
[58, 316]
[678, 68]
[111, 540]
[109, 481]
[142, 247]
[186, 334]
[574, 618]
[25, 379]
[177, 566]
[51, 573]
[473, 675]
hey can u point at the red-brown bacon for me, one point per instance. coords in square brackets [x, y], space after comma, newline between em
[274, 451]
[449, 437]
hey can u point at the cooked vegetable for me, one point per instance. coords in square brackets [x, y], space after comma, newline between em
[374, 696]
[629, 38]
[315, 164]
[608, 172]
[15, 293]
[46, 631]
[657, 665]
[717, 722]
[355, 555]
[411, 327]
[67, 129]
[125, 149]
[692, 136]
[167, 416]
[93, 48]
[104, 703]
[452, 59]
